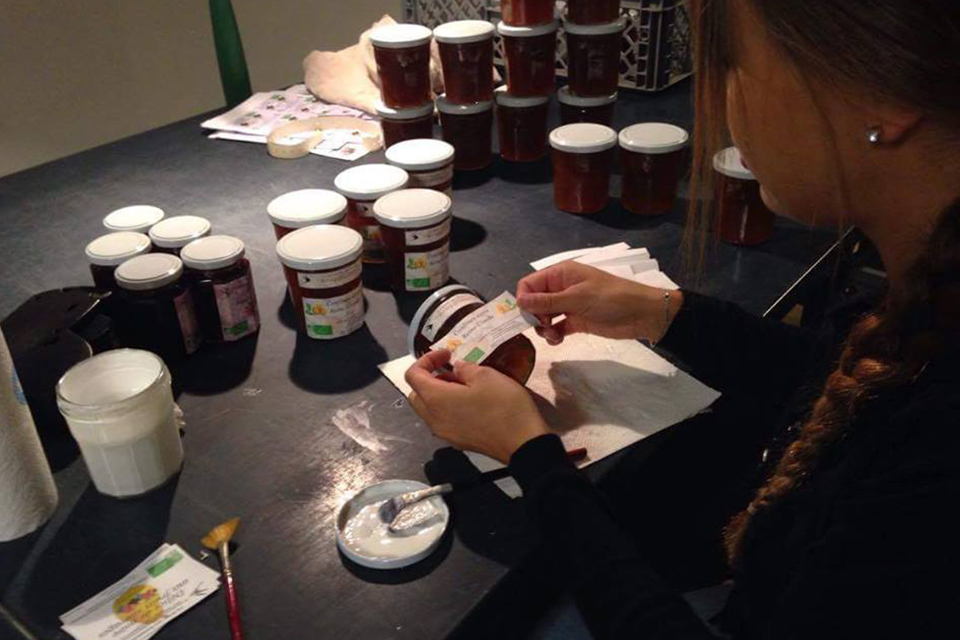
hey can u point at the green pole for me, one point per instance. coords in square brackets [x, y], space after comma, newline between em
[233, 65]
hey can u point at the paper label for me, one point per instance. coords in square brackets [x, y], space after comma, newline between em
[443, 313]
[372, 244]
[430, 235]
[478, 335]
[427, 270]
[237, 305]
[329, 318]
[430, 179]
[187, 317]
[330, 279]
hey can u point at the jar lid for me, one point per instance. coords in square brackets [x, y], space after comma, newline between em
[149, 271]
[420, 154]
[653, 138]
[528, 32]
[302, 208]
[212, 252]
[464, 31]
[412, 113]
[583, 137]
[602, 29]
[566, 97]
[412, 208]
[400, 36]
[116, 248]
[421, 313]
[506, 100]
[320, 247]
[370, 181]
[138, 217]
[445, 106]
[729, 163]
[178, 231]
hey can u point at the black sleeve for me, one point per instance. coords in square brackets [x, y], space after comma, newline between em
[616, 591]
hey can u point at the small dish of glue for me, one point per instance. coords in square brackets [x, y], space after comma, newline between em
[364, 538]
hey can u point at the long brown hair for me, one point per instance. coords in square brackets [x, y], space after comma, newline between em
[903, 52]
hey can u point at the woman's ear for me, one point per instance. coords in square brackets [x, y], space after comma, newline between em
[894, 124]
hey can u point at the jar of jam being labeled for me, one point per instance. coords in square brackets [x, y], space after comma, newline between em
[522, 126]
[582, 161]
[415, 227]
[402, 53]
[526, 13]
[323, 268]
[173, 234]
[469, 128]
[156, 310]
[108, 252]
[458, 312]
[306, 207]
[651, 155]
[531, 57]
[405, 124]
[592, 11]
[743, 217]
[466, 54]
[593, 57]
[137, 218]
[222, 285]
[598, 109]
[428, 162]
[363, 186]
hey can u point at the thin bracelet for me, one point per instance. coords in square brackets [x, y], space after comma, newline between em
[666, 318]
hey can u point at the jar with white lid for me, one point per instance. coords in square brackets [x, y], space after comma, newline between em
[156, 310]
[138, 218]
[415, 228]
[596, 109]
[172, 234]
[363, 186]
[306, 207]
[466, 55]
[323, 268]
[582, 161]
[222, 286]
[743, 218]
[402, 54]
[428, 163]
[522, 126]
[651, 157]
[531, 57]
[405, 124]
[593, 57]
[469, 128]
[109, 251]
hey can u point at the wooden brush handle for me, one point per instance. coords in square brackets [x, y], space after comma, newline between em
[233, 605]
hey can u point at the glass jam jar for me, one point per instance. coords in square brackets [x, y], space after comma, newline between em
[323, 268]
[651, 157]
[415, 228]
[466, 55]
[306, 207]
[428, 162]
[138, 218]
[526, 13]
[469, 128]
[173, 234]
[156, 310]
[445, 309]
[222, 285]
[597, 109]
[593, 57]
[582, 160]
[402, 53]
[522, 126]
[592, 11]
[405, 124]
[363, 186]
[531, 56]
[743, 218]
[108, 252]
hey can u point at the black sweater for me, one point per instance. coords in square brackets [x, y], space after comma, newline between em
[868, 548]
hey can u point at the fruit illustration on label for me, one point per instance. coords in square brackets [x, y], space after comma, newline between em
[140, 603]
[505, 306]
[315, 309]
[419, 262]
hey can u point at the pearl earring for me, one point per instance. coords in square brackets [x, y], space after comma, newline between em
[873, 135]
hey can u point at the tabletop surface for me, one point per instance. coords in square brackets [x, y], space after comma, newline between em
[259, 440]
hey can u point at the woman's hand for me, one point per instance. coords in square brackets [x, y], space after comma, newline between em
[475, 408]
[595, 302]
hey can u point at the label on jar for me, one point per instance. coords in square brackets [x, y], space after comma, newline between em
[427, 270]
[430, 235]
[430, 179]
[443, 313]
[330, 279]
[329, 318]
[372, 244]
[237, 305]
[187, 317]
[478, 335]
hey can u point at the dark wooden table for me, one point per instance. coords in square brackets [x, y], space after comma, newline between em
[259, 440]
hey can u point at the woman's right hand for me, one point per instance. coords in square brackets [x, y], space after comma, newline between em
[596, 302]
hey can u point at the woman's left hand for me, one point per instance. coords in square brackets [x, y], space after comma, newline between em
[475, 408]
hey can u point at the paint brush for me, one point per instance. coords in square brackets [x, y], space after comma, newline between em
[219, 540]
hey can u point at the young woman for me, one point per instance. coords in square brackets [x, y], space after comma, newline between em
[848, 112]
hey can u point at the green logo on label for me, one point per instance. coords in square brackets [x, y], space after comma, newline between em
[475, 355]
[239, 329]
[165, 564]
[418, 283]
[322, 329]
